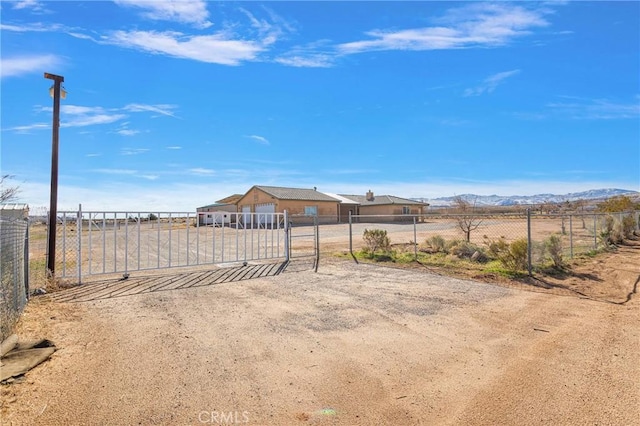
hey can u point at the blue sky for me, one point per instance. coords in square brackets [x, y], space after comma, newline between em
[173, 105]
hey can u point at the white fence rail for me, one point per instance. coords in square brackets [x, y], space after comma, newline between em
[95, 243]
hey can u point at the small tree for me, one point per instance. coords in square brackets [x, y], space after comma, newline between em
[619, 203]
[7, 193]
[467, 218]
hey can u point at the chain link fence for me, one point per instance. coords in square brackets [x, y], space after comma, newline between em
[531, 240]
[14, 272]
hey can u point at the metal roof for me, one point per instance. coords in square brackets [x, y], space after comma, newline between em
[342, 199]
[14, 206]
[215, 205]
[302, 194]
[380, 200]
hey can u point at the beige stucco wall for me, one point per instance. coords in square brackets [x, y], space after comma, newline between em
[389, 209]
[294, 207]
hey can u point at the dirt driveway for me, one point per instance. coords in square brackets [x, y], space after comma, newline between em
[349, 345]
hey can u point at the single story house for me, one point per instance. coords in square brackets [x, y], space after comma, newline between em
[297, 202]
[382, 205]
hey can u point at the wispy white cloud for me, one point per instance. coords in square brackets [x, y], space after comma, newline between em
[149, 177]
[490, 83]
[162, 109]
[174, 147]
[595, 109]
[192, 12]
[474, 25]
[95, 154]
[81, 116]
[90, 120]
[37, 27]
[223, 47]
[28, 128]
[34, 5]
[199, 171]
[261, 139]
[313, 60]
[133, 151]
[115, 171]
[127, 132]
[215, 48]
[22, 65]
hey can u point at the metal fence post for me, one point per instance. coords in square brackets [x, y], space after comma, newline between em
[529, 266]
[316, 225]
[351, 237]
[571, 236]
[79, 235]
[26, 261]
[287, 232]
[415, 240]
[595, 232]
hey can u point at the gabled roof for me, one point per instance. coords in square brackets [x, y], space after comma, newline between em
[381, 200]
[208, 206]
[231, 199]
[301, 194]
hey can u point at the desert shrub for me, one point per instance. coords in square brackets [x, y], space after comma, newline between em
[513, 256]
[376, 239]
[553, 247]
[437, 244]
[617, 234]
[606, 230]
[628, 226]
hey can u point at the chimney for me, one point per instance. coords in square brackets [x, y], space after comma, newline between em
[370, 196]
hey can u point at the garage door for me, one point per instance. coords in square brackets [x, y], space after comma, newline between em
[265, 213]
[246, 215]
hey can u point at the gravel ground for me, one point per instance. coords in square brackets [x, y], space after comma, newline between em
[349, 345]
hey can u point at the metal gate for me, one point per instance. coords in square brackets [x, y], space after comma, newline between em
[96, 243]
[304, 238]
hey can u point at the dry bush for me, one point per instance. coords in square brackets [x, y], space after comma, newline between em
[437, 244]
[376, 239]
[628, 225]
[513, 256]
[553, 247]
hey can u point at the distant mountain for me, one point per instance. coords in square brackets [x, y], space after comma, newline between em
[514, 200]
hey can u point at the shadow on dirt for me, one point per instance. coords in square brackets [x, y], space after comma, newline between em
[130, 285]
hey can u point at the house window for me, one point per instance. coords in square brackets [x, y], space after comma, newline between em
[311, 210]
[406, 210]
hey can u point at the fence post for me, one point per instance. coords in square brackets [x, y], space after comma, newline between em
[351, 237]
[287, 231]
[595, 232]
[415, 240]
[529, 242]
[571, 236]
[316, 225]
[79, 235]
[26, 261]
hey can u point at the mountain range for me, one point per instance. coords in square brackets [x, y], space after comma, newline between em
[513, 200]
